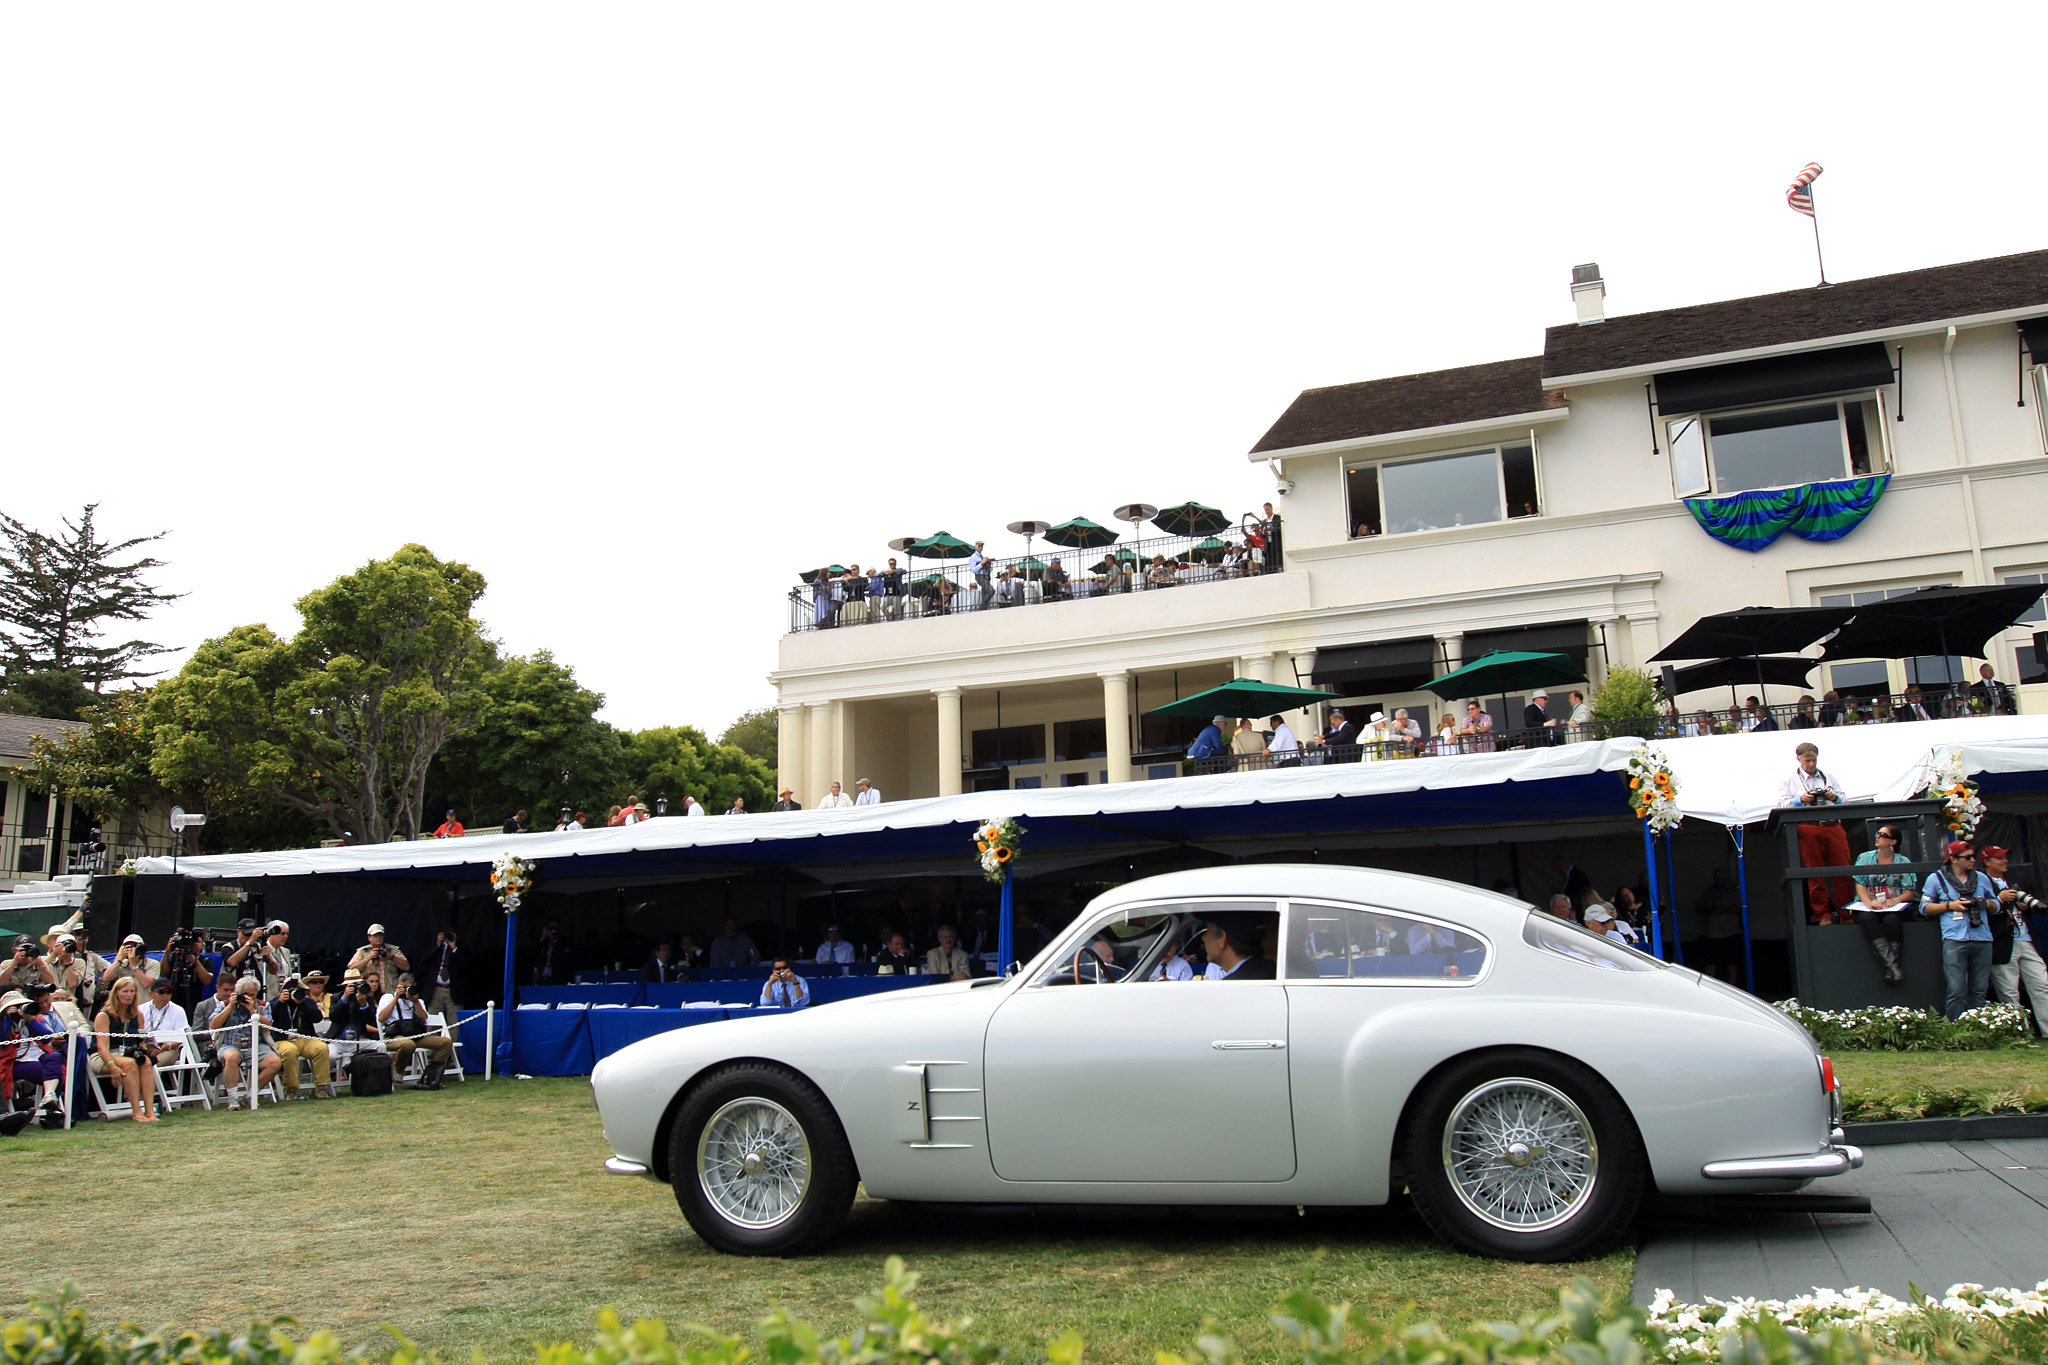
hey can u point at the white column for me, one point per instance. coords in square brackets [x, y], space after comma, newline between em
[1451, 646]
[1116, 723]
[1257, 667]
[789, 750]
[1620, 649]
[1644, 640]
[818, 772]
[949, 740]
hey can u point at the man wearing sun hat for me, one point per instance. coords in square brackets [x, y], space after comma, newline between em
[786, 800]
[1964, 899]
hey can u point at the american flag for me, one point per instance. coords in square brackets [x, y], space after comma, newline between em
[1800, 196]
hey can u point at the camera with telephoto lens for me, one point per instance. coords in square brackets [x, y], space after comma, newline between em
[28, 947]
[184, 941]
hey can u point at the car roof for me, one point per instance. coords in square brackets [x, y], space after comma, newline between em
[1321, 881]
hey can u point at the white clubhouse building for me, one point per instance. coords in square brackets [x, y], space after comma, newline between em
[1533, 503]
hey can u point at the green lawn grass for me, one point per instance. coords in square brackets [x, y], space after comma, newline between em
[2005, 1069]
[480, 1218]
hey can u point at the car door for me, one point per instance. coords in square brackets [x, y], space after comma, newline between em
[1109, 1075]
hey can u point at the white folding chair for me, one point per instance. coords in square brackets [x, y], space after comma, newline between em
[189, 1075]
[106, 1092]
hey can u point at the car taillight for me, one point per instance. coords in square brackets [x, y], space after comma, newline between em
[1827, 1075]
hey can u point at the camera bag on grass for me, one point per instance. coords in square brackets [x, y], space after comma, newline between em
[369, 1073]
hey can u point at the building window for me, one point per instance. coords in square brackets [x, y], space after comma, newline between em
[1430, 493]
[2033, 668]
[1734, 452]
[1073, 740]
[2037, 613]
[1008, 746]
[1160, 771]
[1873, 679]
[1074, 779]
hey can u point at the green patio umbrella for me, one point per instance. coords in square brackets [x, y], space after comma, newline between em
[1112, 559]
[1032, 567]
[1081, 534]
[1209, 551]
[829, 571]
[1243, 697]
[1190, 519]
[1504, 671]
[941, 546]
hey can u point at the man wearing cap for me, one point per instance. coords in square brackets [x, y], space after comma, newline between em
[379, 962]
[298, 1020]
[1210, 742]
[450, 828]
[2013, 954]
[1537, 719]
[1965, 900]
[835, 951]
[21, 968]
[271, 962]
[1232, 941]
[402, 1019]
[165, 1021]
[351, 1018]
[1600, 920]
[868, 795]
[184, 967]
[786, 800]
[130, 959]
[247, 941]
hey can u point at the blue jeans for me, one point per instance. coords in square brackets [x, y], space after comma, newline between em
[1966, 966]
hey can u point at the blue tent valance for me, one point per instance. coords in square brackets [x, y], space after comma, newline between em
[1813, 511]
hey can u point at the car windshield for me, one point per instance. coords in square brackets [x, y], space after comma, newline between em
[1569, 939]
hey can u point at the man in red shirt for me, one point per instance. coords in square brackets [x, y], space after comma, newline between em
[451, 828]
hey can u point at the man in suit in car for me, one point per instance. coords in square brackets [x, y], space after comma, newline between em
[1232, 941]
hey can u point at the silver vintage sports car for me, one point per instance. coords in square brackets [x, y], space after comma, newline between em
[1352, 1034]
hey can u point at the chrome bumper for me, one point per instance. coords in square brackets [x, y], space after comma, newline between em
[618, 1165]
[1838, 1156]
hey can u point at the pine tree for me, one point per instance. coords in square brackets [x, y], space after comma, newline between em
[56, 593]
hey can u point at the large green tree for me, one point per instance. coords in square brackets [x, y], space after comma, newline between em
[104, 767]
[537, 724]
[678, 760]
[341, 722]
[58, 592]
[54, 693]
[755, 732]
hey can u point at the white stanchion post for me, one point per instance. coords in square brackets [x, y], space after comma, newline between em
[71, 1071]
[249, 1063]
[490, 1036]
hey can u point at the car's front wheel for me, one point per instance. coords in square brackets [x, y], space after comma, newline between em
[1524, 1155]
[760, 1164]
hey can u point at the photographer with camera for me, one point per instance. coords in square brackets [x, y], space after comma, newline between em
[185, 969]
[1822, 843]
[131, 960]
[1965, 900]
[235, 963]
[402, 1018]
[379, 962]
[243, 1008]
[124, 1050]
[25, 966]
[297, 1012]
[2014, 954]
[785, 988]
[440, 974]
[73, 970]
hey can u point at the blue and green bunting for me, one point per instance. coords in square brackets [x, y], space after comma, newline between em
[1814, 511]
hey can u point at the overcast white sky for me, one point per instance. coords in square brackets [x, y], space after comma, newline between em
[640, 309]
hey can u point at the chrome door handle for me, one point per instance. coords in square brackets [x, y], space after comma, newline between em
[1248, 1044]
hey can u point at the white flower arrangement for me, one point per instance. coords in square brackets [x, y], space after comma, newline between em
[996, 843]
[1950, 782]
[129, 868]
[1698, 1330]
[1652, 790]
[512, 877]
[1905, 1028]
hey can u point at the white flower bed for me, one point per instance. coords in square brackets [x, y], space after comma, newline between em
[1697, 1330]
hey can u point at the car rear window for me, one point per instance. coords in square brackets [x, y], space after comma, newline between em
[1566, 939]
[1328, 942]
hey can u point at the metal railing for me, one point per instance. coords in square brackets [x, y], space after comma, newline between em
[30, 852]
[931, 587]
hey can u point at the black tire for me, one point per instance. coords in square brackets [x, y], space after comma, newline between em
[776, 1175]
[1569, 1174]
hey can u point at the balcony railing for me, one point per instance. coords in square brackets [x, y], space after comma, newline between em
[39, 852]
[931, 587]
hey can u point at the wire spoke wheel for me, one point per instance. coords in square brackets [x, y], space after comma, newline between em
[1520, 1154]
[754, 1162]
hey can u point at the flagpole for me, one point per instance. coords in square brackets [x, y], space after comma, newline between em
[1816, 249]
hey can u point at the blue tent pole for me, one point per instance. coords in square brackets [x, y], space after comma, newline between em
[507, 1001]
[1650, 857]
[1005, 928]
[1671, 890]
[1742, 885]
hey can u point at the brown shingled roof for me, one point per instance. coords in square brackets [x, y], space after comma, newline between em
[1471, 393]
[16, 731]
[1998, 285]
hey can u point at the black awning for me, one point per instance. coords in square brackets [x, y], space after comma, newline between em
[1747, 382]
[2034, 331]
[1559, 637]
[1391, 666]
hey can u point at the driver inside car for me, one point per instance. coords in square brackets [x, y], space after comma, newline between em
[1235, 943]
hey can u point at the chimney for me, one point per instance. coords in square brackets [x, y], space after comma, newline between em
[1588, 289]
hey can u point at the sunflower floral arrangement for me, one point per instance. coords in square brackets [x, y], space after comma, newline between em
[996, 844]
[1949, 783]
[1652, 790]
[512, 877]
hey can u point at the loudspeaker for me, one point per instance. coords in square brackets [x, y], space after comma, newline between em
[159, 905]
[1667, 677]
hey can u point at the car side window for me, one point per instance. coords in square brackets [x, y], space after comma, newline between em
[1151, 943]
[1328, 942]
[1569, 940]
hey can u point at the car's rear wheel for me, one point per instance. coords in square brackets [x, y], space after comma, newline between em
[1524, 1155]
[759, 1162]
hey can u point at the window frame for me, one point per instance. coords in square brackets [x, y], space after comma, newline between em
[1670, 427]
[1497, 449]
[1287, 921]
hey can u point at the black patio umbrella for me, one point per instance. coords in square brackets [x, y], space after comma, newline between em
[1944, 621]
[1190, 519]
[1081, 534]
[1776, 671]
[1751, 631]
